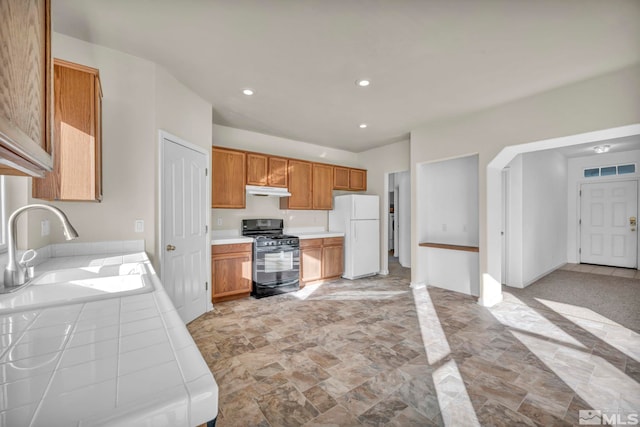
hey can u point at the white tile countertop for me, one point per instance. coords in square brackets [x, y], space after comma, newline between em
[117, 359]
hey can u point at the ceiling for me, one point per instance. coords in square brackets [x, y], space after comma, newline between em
[427, 59]
[616, 145]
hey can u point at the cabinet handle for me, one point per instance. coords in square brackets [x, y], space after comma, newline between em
[171, 248]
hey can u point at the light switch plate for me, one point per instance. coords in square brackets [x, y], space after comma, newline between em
[45, 229]
[139, 226]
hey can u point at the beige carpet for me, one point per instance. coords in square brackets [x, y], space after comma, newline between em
[591, 296]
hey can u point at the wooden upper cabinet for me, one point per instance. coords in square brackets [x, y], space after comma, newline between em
[278, 176]
[266, 170]
[340, 178]
[228, 172]
[322, 186]
[25, 87]
[257, 169]
[77, 172]
[300, 181]
[357, 179]
[349, 179]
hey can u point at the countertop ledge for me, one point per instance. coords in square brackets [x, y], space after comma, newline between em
[120, 360]
[231, 240]
[319, 235]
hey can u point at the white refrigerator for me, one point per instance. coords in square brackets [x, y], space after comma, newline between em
[358, 217]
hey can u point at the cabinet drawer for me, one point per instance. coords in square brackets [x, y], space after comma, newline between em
[310, 243]
[332, 241]
[232, 248]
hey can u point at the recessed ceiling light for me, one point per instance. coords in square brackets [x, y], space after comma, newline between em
[601, 149]
[363, 83]
[363, 125]
[247, 92]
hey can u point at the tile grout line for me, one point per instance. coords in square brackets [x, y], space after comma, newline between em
[55, 369]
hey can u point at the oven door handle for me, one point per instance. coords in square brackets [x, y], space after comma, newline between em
[278, 285]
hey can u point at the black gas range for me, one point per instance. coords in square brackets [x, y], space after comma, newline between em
[276, 257]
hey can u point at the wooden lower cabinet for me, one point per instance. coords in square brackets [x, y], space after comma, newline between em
[230, 271]
[321, 259]
[310, 261]
[332, 257]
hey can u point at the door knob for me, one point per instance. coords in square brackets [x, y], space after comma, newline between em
[171, 248]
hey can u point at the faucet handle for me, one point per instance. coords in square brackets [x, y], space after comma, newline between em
[28, 256]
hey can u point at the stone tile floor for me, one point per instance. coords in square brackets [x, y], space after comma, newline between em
[376, 352]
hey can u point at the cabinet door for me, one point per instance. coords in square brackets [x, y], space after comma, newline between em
[25, 87]
[357, 179]
[322, 186]
[310, 264]
[340, 178]
[77, 171]
[278, 176]
[257, 166]
[300, 178]
[231, 274]
[332, 261]
[227, 178]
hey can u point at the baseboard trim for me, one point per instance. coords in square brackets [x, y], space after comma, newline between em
[384, 272]
[418, 285]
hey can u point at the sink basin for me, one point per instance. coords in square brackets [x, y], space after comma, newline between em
[88, 273]
[77, 285]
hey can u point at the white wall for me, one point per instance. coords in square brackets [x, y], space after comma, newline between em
[576, 178]
[449, 193]
[514, 229]
[184, 114]
[403, 218]
[538, 216]
[139, 99]
[545, 213]
[380, 163]
[263, 207]
[565, 111]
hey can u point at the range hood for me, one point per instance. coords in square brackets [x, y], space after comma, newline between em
[258, 190]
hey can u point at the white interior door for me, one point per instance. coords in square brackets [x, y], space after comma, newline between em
[184, 227]
[608, 234]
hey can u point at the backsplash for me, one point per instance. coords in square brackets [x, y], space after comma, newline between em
[266, 207]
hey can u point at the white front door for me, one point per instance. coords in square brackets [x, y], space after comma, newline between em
[184, 227]
[608, 234]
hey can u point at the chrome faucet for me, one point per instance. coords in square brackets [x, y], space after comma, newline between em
[15, 274]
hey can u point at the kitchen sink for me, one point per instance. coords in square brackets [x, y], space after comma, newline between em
[88, 273]
[76, 285]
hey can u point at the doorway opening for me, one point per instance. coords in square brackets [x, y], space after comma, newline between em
[537, 229]
[396, 242]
